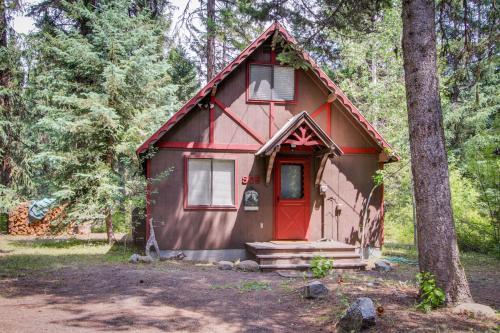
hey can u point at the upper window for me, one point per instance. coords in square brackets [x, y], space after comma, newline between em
[271, 83]
[210, 182]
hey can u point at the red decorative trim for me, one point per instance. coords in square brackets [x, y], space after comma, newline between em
[209, 207]
[273, 56]
[209, 146]
[360, 150]
[212, 120]
[148, 196]
[271, 119]
[303, 136]
[239, 121]
[382, 210]
[317, 112]
[329, 119]
[240, 59]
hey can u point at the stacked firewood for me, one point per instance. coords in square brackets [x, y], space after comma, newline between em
[19, 223]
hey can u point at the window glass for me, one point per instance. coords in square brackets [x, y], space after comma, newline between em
[283, 83]
[223, 183]
[260, 82]
[292, 181]
[210, 182]
[268, 82]
[199, 183]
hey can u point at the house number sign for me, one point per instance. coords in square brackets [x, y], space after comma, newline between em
[250, 180]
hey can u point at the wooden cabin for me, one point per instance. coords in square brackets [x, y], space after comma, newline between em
[267, 160]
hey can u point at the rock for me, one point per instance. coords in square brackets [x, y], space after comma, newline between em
[360, 315]
[248, 266]
[475, 310]
[177, 256]
[315, 289]
[135, 258]
[382, 266]
[225, 265]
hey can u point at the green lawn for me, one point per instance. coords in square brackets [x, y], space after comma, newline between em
[20, 256]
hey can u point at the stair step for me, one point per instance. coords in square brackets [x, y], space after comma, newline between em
[353, 264]
[350, 254]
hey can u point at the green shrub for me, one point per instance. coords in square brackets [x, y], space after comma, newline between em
[321, 266]
[431, 296]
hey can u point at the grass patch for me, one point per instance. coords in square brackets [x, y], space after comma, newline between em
[247, 286]
[20, 257]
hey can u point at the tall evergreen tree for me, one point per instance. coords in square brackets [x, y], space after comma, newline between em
[183, 73]
[437, 243]
[98, 93]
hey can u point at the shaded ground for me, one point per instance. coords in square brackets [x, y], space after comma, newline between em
[91, 289]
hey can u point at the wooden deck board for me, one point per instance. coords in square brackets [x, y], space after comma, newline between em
[299, 245]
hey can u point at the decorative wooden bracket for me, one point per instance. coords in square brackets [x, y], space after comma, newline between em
[270, 163]
[321, 168]
[303, 136]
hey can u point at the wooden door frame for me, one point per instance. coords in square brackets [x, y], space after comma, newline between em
[306, 161]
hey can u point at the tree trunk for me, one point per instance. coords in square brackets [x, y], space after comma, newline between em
[5, 107]
[210, 39]
[109, 227]
[437, 243]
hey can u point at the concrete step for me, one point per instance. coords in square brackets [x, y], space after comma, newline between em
[341, 265]
[296, 261]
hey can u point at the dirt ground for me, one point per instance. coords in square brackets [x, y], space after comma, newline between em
[178, 296]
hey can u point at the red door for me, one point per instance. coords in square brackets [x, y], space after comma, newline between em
[291, 195]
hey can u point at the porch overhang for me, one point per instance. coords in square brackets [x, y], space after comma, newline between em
[301, 131]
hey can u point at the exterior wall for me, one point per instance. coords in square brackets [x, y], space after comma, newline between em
[349, 177]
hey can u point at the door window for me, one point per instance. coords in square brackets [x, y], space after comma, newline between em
[292, 181]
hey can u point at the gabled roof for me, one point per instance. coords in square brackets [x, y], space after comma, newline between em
[301, 120]
[240, 59]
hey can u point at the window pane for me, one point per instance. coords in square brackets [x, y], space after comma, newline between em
[292, 181]
[199, 181]
[223, 183]
[283, 83]
[260, 82]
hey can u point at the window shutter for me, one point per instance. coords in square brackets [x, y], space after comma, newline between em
[260, 82]
[199, 181]
[223, 183]
[283, 83]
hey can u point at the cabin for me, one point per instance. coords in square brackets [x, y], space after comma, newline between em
[268, 161]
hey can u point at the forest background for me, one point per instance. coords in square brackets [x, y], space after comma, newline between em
[81, 91]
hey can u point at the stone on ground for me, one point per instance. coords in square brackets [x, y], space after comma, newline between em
[248, 266]
[475, 310]
[382, 266]
[314, 290]
[360, 315]
[135, 258]
[225, 265]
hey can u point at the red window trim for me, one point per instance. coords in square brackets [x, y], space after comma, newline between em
[209, 207]
[264, 101]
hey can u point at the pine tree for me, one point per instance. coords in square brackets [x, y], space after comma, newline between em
[183, 73]
[98, 93]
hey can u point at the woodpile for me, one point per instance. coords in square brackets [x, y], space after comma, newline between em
[19, 223]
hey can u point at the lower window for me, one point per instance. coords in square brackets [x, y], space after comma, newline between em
[210, 182]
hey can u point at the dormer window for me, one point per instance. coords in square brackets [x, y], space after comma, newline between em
[269, 82]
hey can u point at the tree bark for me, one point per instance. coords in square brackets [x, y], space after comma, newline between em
[5, 107]
[437, 243]
[109, 227]
[210, 39]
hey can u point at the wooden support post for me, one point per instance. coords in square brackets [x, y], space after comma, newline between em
[321, 168]
[270, 164]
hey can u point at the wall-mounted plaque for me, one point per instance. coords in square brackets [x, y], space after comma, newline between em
[251, 199]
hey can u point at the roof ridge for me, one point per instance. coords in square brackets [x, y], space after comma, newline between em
[202, 93]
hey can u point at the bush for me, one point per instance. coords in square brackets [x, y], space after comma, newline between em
[321, 266]
[431, 296]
